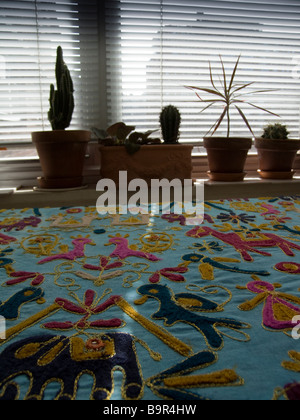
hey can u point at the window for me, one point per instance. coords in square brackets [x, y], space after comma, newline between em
[30, 31]
[156, 47]
[129, 58]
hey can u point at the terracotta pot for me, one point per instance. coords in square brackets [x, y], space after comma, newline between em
[150, 162]
[276, 157]
[62, 155]
[227, 157]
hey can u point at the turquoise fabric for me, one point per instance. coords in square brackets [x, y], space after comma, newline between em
[150, 307]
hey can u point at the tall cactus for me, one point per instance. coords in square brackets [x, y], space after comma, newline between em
[170, 120]
[62, 99]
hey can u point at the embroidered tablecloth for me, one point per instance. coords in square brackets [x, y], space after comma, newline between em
[150, 307]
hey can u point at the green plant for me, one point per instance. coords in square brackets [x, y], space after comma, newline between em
[275, 131]
[121, 134]
[170, 120]
[229, 94]
[62, 99]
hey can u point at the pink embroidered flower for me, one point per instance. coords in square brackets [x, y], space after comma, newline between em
[104, 265]
[87, 308]
[277, 219]
[6, 240]
[288, 267]
[279, 308]
[169, 273]
[9, 224]
[21, 276]
[74, 211]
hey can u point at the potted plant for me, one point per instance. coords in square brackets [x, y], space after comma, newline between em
[170, 122]
[143, 157]
[61, 152]
[276, 152]
[227, 155]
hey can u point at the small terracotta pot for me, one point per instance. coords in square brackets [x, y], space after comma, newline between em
[227, 157]
[276, 157]
[62, 155]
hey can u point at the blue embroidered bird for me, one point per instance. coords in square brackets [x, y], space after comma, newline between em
[175, 308]
[207, 266]
[4, 262]
[11, 308]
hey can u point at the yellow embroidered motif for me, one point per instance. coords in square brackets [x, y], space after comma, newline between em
[13, 331]
[207, 271]
[159, 332]
[51, 355]
[222, 378]
[156, 242]
[40, 245]
[249, 207]
[99, 280]
[71, 223]
[28, 350]
[81, 352]
[293, 365]
[138, 220]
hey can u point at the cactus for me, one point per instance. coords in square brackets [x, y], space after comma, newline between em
[170, 120]
[62, 99]
[275, 132]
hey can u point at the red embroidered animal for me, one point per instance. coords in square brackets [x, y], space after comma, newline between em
[21, 224]
[6, 240]
[123, 250]
[244, 246]
[78, 251]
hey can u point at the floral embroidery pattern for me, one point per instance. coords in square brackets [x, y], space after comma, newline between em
[278, 311]
[236, 218]
[288, 267]
[16, 224]
[88, 307]
[169, 273]
[182, 308]
[21, 276]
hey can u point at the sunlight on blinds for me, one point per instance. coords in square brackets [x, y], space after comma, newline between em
[30, 32]
[157, 47]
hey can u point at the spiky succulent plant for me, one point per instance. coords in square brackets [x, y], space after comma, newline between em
[229, 95]
[62, 99]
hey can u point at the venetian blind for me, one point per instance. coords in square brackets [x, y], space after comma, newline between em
[157, 47]
[30, 32]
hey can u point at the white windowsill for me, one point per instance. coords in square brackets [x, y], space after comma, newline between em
[250, 188]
